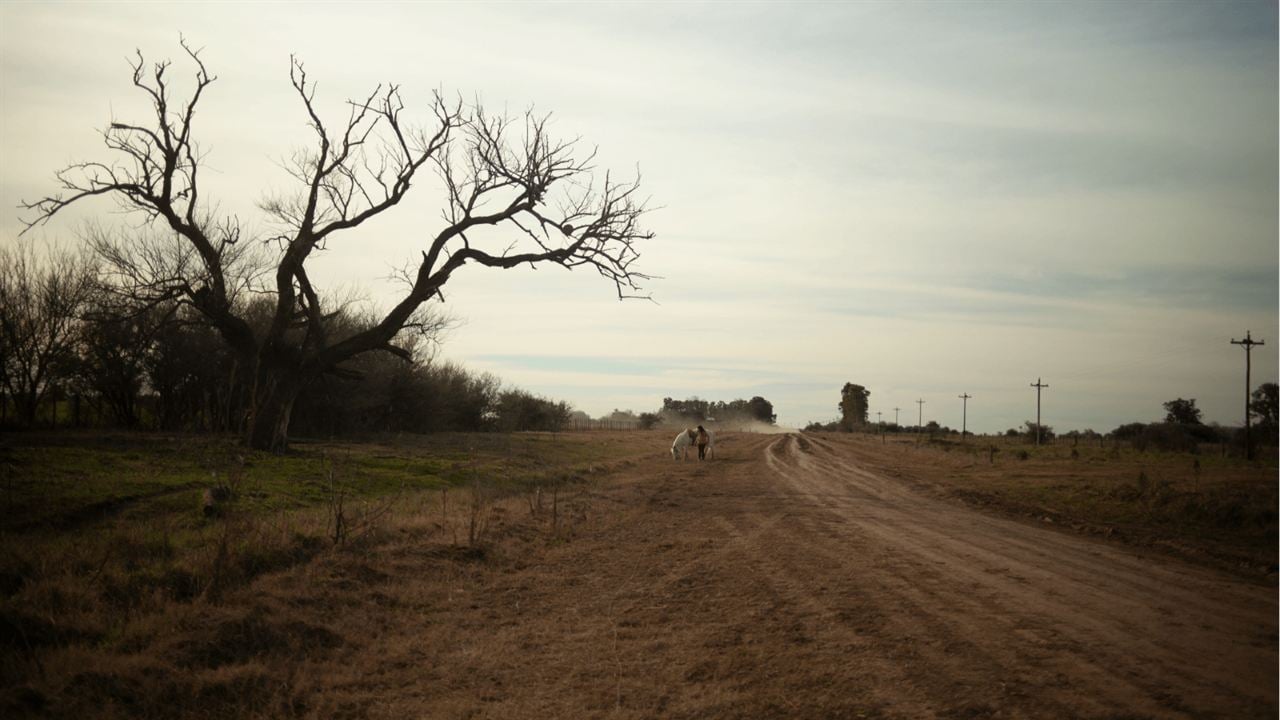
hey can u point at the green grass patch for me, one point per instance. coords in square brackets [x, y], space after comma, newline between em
[66, 480]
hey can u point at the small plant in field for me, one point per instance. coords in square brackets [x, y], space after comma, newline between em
[336, 502]
[347, 518]
[1149, 494]
[481, 513]
[444, 515]
[534, 499]
[224, 488]
[221, 565]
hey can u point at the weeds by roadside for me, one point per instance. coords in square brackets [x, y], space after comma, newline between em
[148, 610]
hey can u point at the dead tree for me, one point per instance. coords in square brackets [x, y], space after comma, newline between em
[515, 196]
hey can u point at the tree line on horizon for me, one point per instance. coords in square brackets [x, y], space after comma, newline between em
[726, 415]
[1181, 429]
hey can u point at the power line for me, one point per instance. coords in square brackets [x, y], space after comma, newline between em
[1038, 386]
[1247, 343]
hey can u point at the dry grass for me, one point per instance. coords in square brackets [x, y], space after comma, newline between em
[266, 611]
[1209, 506]
[156, 609]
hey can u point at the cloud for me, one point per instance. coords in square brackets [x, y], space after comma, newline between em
[926, 199]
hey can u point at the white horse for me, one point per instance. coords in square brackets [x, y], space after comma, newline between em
[680, 446]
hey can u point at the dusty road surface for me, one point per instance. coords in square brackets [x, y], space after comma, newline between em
[783, 579]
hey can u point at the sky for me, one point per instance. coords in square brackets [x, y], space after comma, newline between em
[926, 199]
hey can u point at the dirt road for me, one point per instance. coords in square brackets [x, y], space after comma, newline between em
[783, 579]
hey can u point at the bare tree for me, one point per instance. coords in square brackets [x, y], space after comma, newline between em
[539, 203]
[40, 306]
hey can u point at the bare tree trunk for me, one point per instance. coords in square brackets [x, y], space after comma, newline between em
[28, 407]
[273, 398]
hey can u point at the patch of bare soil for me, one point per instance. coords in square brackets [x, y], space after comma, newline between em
[780, 579]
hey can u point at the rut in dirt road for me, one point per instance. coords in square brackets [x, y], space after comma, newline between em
[1085, 627]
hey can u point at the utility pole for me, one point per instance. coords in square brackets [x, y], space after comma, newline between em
[1247, 343]
[895, 417]
[920, 417]
[964, 415]
[1038, 386]
[880, 426]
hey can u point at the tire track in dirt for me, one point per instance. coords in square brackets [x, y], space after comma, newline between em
[956, 646]
[1064, 557]
[1131, 622]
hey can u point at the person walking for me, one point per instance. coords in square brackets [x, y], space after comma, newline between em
[701, 440]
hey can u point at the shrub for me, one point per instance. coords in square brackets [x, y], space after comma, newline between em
[1046, 432]
[1169, 437]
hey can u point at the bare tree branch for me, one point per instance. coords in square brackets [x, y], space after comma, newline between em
[514, 194]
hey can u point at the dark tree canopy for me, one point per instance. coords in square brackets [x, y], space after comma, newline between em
[731, 413]
[853, 405]
[761, 410]
[39, 306]
[1265, 405]
[514, 195]
[1182, 412]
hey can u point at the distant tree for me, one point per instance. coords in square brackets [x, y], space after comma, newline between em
[534, 194]
[113, 356]
[649, 420]
[853, 405]
[726, 414]
[1183, 412]
[1264, 405]
[1029, 432]
[193, 374]
[517, 410]
[692, 410]
[1128, 431]
[41, 303]
[761, 410]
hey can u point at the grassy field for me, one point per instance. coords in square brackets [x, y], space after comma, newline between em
[105, 537]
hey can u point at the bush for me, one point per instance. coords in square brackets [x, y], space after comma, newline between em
[1169, 437]
[1128, 431]
[1046, 432]
[518, 410]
